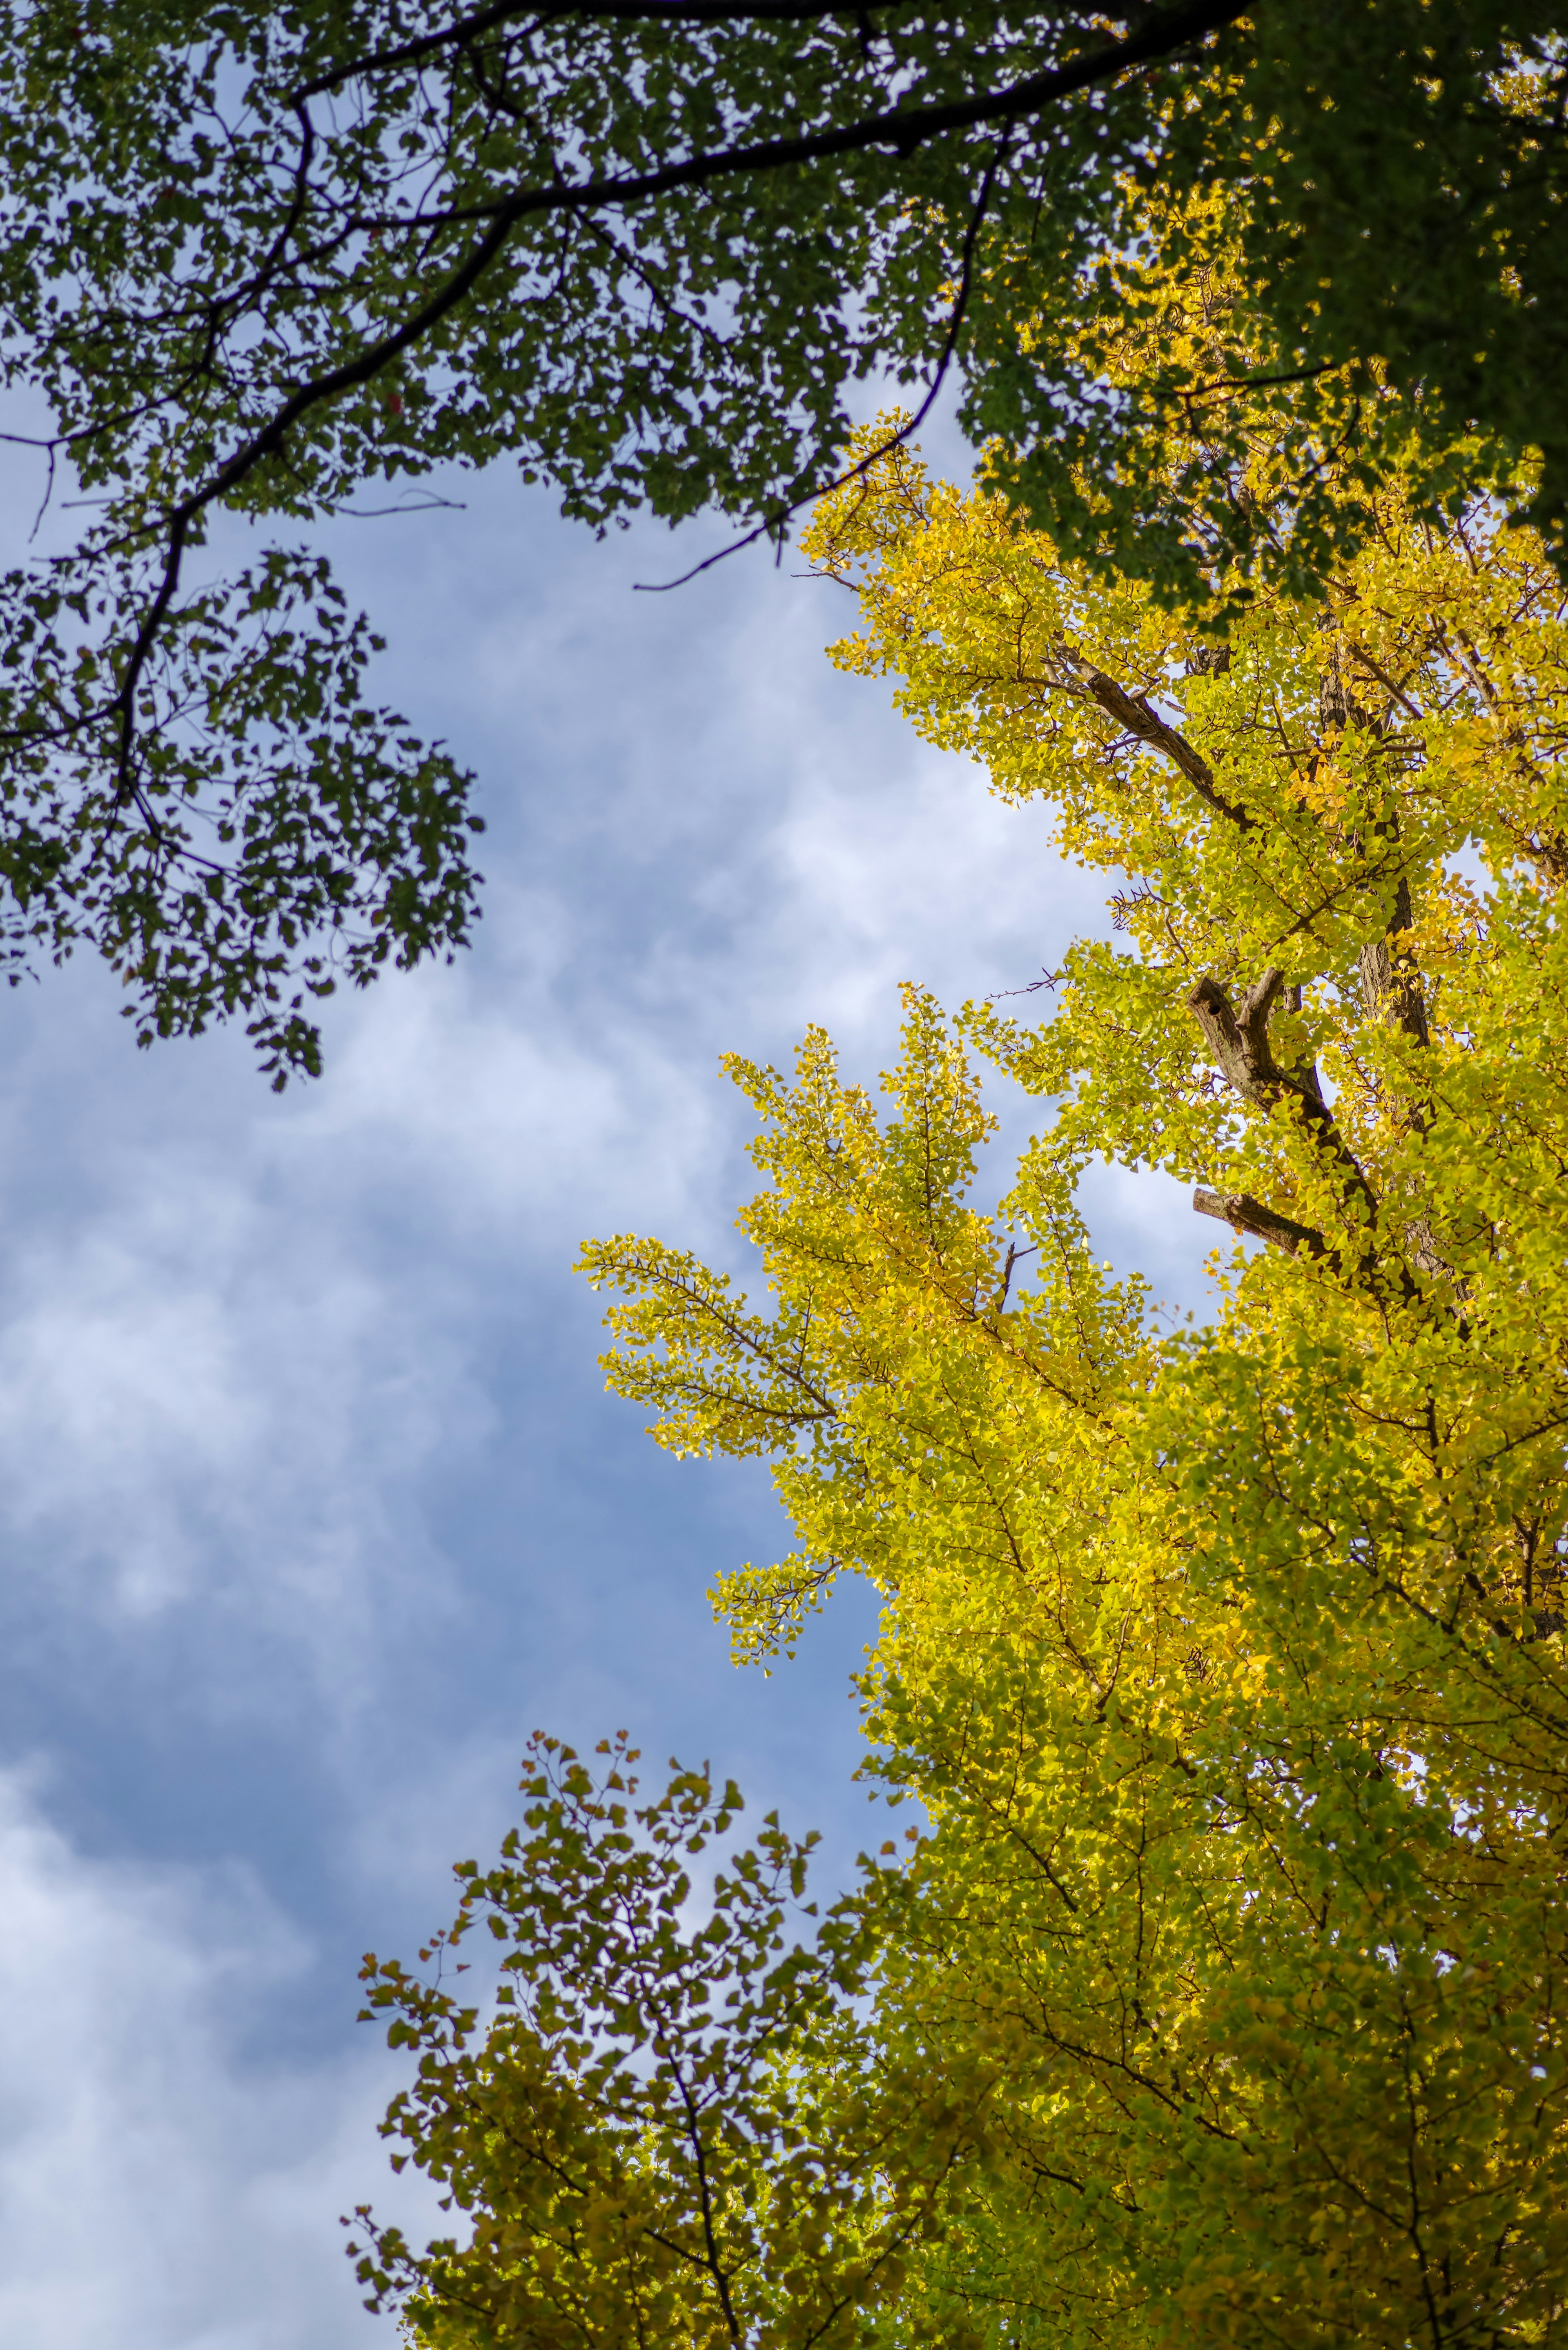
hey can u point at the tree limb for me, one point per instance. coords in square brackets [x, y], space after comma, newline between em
[1245, 1214]
[1164, 33]
[1134, 714]
[1238, 1037]
[903, 128]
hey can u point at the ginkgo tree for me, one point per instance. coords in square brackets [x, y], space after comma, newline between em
[1227, 1665]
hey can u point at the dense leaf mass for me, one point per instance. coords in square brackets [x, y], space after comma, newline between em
[1227, 1664]
[274, 832]
[252, 257]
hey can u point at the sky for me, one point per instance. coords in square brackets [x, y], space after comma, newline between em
[312, 1504]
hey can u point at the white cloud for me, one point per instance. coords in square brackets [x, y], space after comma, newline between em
[163, 2186]
[198, 1391]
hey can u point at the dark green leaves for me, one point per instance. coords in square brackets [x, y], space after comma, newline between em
[251, 256]
[230, 824]
[668, 2131]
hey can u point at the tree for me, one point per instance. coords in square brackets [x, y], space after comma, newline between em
[251, 258]
[665, 2135]
[1226, 1664]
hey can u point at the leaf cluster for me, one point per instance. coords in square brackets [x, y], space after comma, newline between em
[1226, 1664]
[666, 2130]
[274, 834]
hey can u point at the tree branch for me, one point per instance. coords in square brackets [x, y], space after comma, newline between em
[1245, 1214]
[1238, 1037]
[1134, 714]
[777, 520]
[464, 29]
[1165, 32]
[901, 128]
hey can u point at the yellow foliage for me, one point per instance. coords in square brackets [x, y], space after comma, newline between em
[1229, 1666]
[1220, 2001]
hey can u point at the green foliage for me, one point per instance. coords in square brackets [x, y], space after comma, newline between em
[251, 258]
[275, 834]
[668, 2132]
[1249, 1778]
[896, 1335]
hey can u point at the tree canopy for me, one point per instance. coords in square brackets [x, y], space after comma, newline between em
[1226, 1662]
[252, 257]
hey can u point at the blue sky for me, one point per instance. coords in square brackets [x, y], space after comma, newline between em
[312, 1504]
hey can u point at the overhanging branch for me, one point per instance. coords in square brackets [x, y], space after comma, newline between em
[1164, 33]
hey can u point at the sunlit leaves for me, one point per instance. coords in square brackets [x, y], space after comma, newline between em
[1227, 1664]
